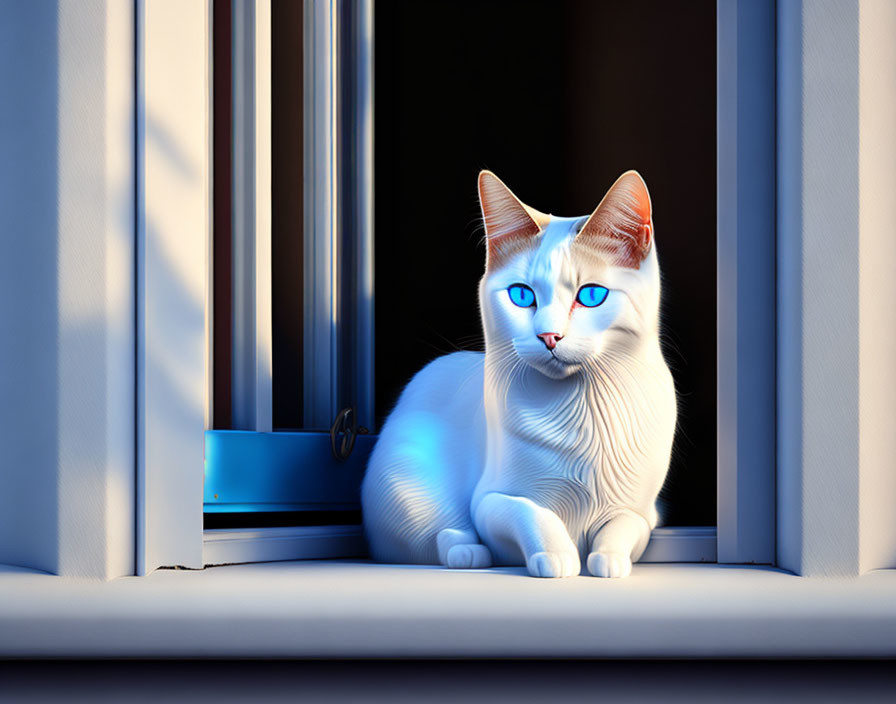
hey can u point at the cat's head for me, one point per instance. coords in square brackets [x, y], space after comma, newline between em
[560, 293]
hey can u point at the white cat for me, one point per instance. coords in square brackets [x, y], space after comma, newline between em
[554, 444]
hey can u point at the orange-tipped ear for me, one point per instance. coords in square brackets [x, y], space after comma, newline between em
[622, 224]
[508, 222]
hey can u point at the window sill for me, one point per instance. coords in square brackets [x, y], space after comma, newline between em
[359, 609]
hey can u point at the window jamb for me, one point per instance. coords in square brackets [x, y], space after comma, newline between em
[746, 280]
[173, 266]
[252, 343]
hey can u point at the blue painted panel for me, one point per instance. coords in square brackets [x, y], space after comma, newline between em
[248, 471]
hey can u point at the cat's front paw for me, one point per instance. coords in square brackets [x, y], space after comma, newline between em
[609, 564]
[554, 564]
[464, 557]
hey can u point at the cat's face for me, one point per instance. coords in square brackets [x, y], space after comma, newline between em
[560, 293]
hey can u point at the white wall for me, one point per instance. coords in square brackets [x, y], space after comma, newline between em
[877, 284]
[67, 286]
[836, 286]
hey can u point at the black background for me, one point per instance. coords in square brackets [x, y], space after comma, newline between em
[558, 99]
[447, 681]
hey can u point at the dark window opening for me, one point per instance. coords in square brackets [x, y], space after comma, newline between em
[287, 242]
[287, 214]
[558, 99]
[222, 239]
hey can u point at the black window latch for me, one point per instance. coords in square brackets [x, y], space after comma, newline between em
[343, 433]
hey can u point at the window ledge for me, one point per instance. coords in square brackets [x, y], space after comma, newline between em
[360, 609]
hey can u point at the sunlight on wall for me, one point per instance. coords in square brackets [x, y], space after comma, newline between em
[877, 283]
[173, 222]
[95, 289]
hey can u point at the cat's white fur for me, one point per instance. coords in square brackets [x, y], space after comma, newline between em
[525, 455]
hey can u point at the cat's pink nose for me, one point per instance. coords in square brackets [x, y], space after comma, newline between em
[550, 339]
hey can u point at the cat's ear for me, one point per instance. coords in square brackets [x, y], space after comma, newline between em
[622, 226]
[507, 219]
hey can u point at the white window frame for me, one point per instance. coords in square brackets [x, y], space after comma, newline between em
[252, 346]
[745, 275]
[338, 247]
[746, 334]
[173, 278]
[338, 210]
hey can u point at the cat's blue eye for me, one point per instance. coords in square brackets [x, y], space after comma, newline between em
[521, 295]
[592, 295]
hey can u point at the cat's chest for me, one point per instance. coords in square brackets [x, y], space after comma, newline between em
[550, 442]
[567, 445]
[555, 450]
[563, 474]
[563, 426]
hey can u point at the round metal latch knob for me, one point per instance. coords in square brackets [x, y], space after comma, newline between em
[343, 433]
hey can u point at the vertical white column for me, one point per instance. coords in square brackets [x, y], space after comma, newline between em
[322, 222]
[360, 237]
[29, 193]
[120, 375]
[173, 227]
[877, 284]
[67, 287]
[338, 234]
[746, 280]
[252, 322]
[95, 372]
[818, 286]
